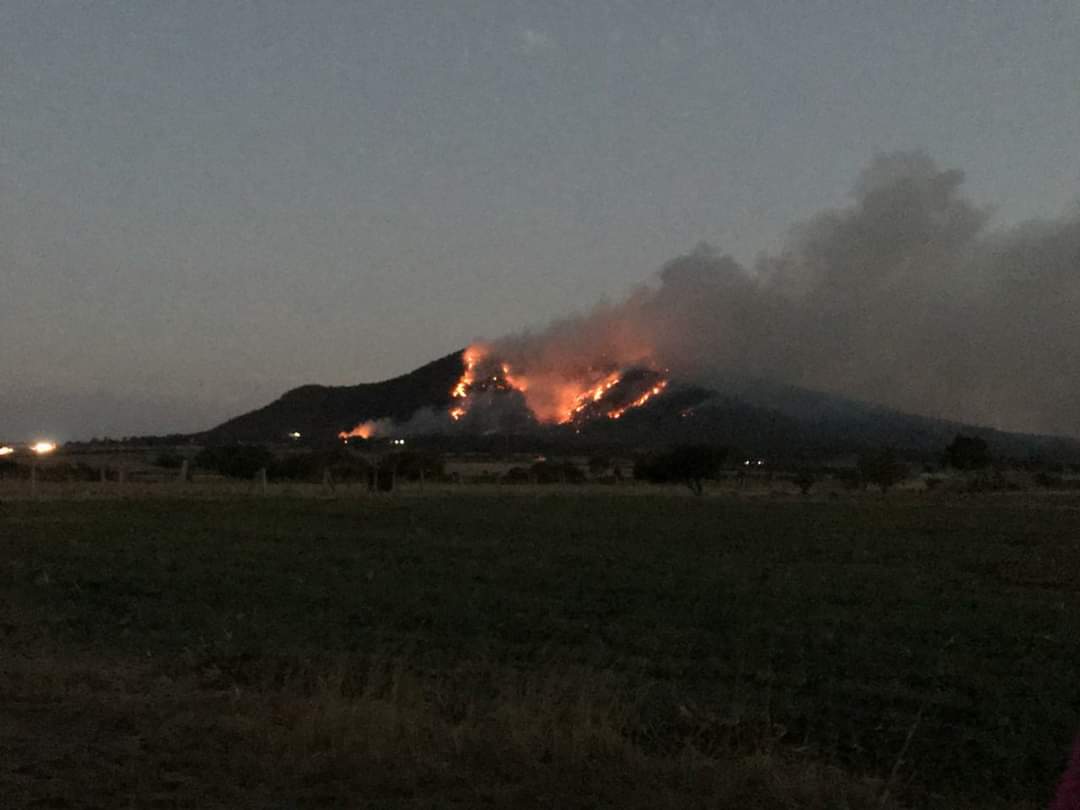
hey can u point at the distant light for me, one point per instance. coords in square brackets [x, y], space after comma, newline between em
[294, 435]
[399, 441]
[43, 447]
[6, 451]
[746, 463]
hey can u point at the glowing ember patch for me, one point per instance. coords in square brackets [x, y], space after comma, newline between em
[641, 400]
[365, 430]
[594, 394]
[473, 355]
[552, 395]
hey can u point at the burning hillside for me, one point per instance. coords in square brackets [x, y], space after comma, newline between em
[827, 313]
[574, 395]
[634, 408]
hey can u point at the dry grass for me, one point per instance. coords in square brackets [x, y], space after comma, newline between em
[348, 733]
[550, 652]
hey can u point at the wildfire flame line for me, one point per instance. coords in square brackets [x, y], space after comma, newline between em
[571, 400]
[473, 355]
[594, 394]
[585, 400]
[637, 403]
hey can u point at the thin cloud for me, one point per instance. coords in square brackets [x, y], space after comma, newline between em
[532, 40]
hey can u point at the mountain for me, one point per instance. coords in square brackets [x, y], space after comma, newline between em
[756, 416]
[320, 412]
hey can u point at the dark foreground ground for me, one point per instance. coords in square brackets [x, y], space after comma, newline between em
[550, 651]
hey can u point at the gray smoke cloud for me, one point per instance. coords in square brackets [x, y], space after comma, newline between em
[909, 297]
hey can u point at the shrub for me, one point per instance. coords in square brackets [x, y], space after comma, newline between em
[1048, 480]
[235, 461]
[311, 466]
[688, 464]
[411, 464]
[967, 453]
[882, 468]
[805, 481]
[557, 472]
[598, 465]
[169, 460]
[517, 475]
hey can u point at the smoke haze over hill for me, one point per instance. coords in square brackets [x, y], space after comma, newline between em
[908, 297]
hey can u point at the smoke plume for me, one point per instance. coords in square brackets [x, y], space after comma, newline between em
[908, 297]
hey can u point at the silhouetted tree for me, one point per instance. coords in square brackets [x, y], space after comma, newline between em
[235, 461]
[805, 481]
[967, 453]
[689, 464]
[881, 468]
[412, 464]
[557, 472]
[598, 465]
[169, 460]
[311, 466]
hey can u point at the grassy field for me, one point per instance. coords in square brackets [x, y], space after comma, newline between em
[542, 650]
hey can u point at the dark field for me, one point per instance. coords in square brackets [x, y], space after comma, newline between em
[548, 651]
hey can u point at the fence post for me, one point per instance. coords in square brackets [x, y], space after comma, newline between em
[261, 476]
[185, 472]
[33, 479]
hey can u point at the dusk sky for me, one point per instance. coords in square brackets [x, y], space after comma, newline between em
[204, 204]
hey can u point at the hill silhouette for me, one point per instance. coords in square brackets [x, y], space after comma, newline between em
[320, 412]
[750, 414]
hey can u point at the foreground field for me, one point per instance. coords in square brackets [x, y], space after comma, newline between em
[547, 651]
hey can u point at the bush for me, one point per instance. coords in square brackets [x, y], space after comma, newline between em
[967, 453]
[805, 481]
[517, 475]
[169, 460]
[411, 464]
[882, 468]
[311, 466]
[598, 465]
[687, 464]
[236, 461]
[1048, 480]
[557, 472]
[850, 479]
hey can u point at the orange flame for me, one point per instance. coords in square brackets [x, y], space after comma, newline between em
[365, 430]
[637, 403]
[594, 394]
[515, 381]
[551, 395]
[473, 355]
